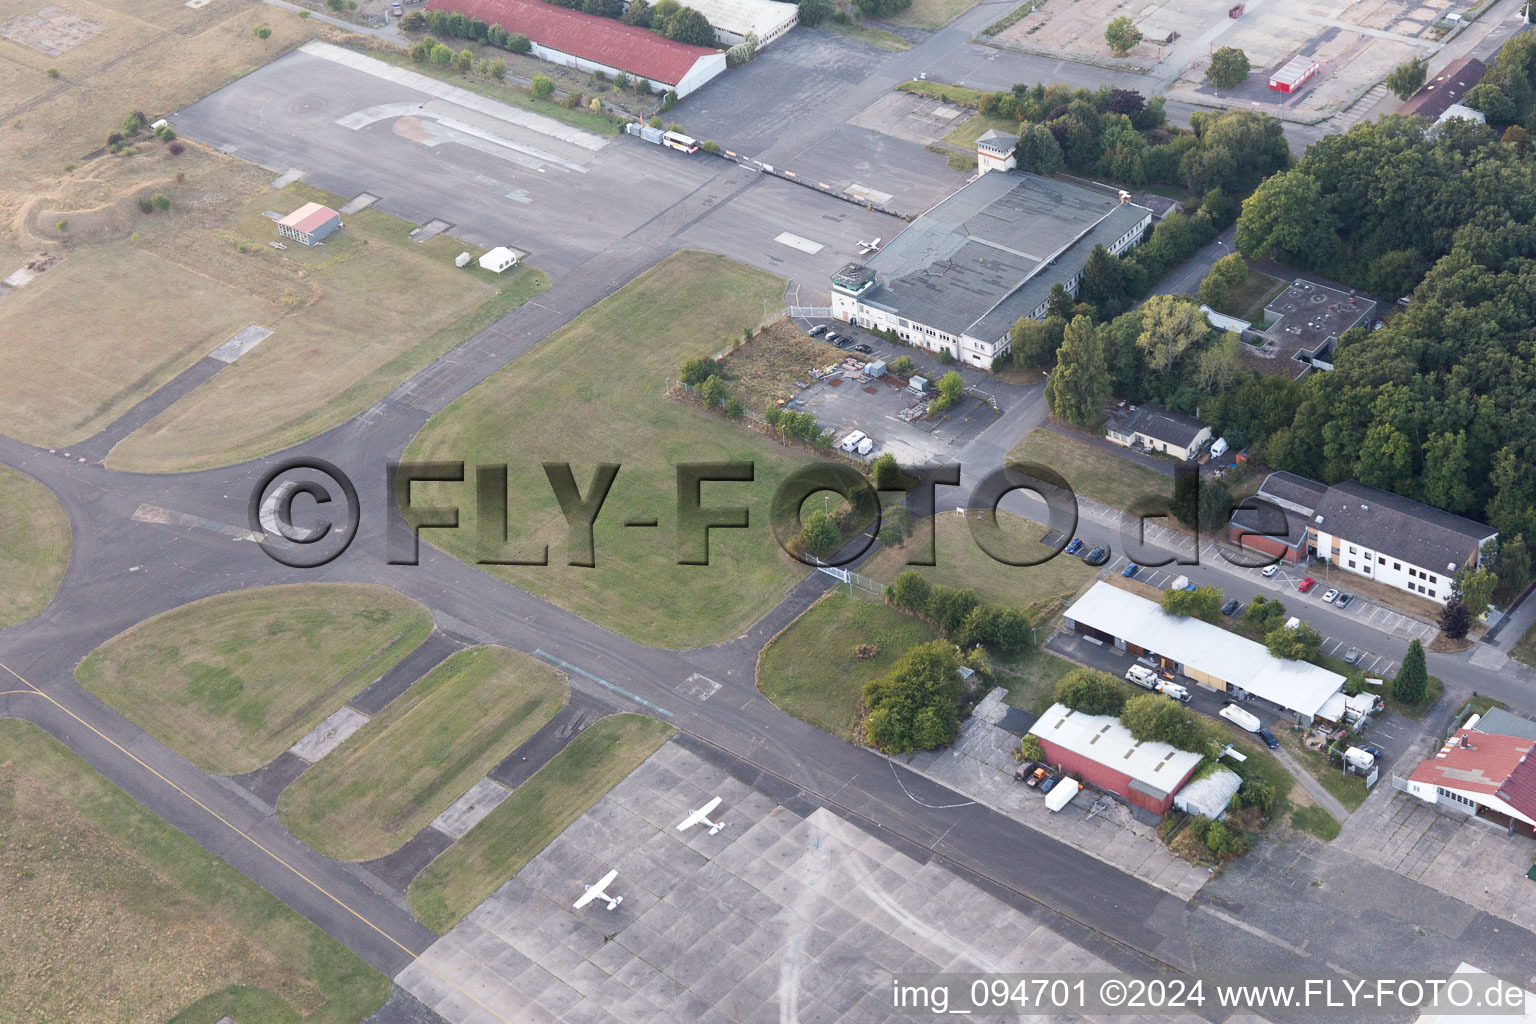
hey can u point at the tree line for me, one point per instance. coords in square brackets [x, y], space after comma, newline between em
[666, 18]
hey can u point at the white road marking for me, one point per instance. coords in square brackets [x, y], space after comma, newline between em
[796, 242]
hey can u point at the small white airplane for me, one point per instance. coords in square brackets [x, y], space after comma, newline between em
[701, 817]
[868, 247]
[595, 892]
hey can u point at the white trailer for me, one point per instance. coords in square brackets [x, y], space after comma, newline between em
[1061, 794]
[1242, 719]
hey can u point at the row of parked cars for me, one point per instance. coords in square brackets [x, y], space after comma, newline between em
[1095, 556]
[840, 340]
[1333, 595]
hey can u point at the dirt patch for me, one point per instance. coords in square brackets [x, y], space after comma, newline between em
[775, 365]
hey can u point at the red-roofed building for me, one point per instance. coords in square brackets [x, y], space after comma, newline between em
[1482, 774]
[309, 223]
[589, 43]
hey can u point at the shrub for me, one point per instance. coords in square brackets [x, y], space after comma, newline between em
[421, 49]
[654, 122]
[518, 43]
[734, 409]
[261, 32]
[621, 81]
[910, 591]
[336, 5]
[541, 86]
[146, 205]
[497, 68]
[62, 225]
[413, 21]
[114, 138]
[441, 54]
[596, 106]
[162, 201]
[1091, 692]
[53, 72]
[574, 99]
[673, 126]
[464, 59]
[642, 87]
[1030, 747]
[696, 371]
[711, 147]
[916, 706]
[713, 392]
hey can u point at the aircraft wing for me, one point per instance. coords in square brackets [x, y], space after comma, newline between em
[695, 817]
[595, 892]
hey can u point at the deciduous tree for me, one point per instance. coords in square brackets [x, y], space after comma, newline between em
[1229, 68]
[1122, 35]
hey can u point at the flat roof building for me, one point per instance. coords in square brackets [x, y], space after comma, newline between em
[734, 20]
[1103, 751]
[958, 277]
[1446, 89]
[1211, 656]
[1294, 74]
[1370, 532]
[589, 43]
[1305, 322]
[309, 223]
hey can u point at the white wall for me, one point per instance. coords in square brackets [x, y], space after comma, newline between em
[703, 69]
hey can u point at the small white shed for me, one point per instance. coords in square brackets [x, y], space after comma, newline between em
[1209, 796]
[498, 259]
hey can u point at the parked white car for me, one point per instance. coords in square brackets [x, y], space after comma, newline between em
[1329, 596]
[1269, 570]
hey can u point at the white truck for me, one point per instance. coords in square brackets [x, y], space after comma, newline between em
[1240, 718]
[1142, 676]
[1172, 689]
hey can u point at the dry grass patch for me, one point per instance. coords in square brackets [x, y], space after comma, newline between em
[155, 56]
[763, 371]
[231, 681]
[112, 915]
[421, 753]
[34, 546]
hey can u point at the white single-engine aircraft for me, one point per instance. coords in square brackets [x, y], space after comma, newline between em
[865, 248]
[595, 892]
[701, 817]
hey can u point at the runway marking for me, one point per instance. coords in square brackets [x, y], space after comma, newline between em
[796, 242]
[603, 682]
[1252, 930]
[147, 513]
[33, 689]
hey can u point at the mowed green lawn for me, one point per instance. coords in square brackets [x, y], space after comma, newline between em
[592, 393]
[1091, 471]
[811, 671]
[231, 681]
[34, 546]
[421, 753]
[111, 915]
[539, 810]
[962, 563]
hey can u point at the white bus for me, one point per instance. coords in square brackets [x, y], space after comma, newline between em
[677, 140]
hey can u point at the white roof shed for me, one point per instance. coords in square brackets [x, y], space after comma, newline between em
[499, 259]
[1209, 796]
[1298, 686]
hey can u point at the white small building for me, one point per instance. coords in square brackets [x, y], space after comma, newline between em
[1157, 429]
[994, 151]
[499, 259]
[734, 20]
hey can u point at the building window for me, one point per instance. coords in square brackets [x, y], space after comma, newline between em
[1431, 593]
[1434, 579]
[1396, 565]
[1382, 559]
[1413, 572]
[1351, 563]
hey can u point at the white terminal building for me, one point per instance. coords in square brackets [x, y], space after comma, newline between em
[957, 278]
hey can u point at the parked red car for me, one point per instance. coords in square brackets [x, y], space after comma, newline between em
[1306, 584]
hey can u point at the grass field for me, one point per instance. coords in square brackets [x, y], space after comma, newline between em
[930, 14]
[1525, 650]
[590, 393]
[230, 682]
[764, 370]
[112, 915]
[539, 810]
[965, 134]
[506, 92]
[34, 546]
[1091, 471]
[957, 94]
[357, 316]
[351, 318]
[963, 563]
[810, 670]
[867, 34]
[1349, 790]
[1315, 821]
[1031, 681]
[421, 753]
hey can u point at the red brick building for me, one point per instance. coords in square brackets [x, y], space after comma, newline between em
[1100, 751]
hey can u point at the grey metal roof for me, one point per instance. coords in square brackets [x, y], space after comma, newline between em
[1379, 520]
[1161, 424]
[955, 266]
[994, 141]
[1498, 722]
